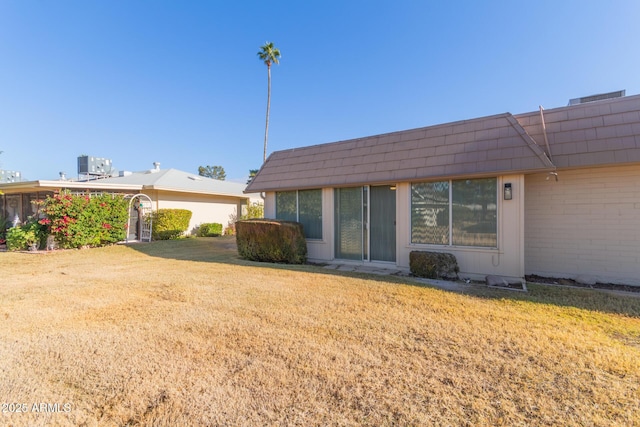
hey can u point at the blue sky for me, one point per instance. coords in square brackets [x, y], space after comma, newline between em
[179, 82]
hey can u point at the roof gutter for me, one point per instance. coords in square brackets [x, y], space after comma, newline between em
[546, 143]
[544, 132]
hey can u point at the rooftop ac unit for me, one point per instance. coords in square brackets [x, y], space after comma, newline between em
[599, 97]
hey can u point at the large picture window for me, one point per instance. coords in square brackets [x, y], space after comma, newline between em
[304, 206]
[459, 212]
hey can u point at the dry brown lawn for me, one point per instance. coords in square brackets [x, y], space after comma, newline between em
[184, 333]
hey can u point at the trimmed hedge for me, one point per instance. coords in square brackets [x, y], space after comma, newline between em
[269, 240]
[209, 229]
[169, 224]
[433, 265]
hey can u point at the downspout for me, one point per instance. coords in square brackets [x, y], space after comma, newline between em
[546, 142]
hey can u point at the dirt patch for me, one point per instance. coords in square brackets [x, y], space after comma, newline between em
[570, 282]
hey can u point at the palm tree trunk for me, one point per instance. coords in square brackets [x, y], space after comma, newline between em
[266, 127]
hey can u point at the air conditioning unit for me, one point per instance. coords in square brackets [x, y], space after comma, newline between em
[10, 176]
[95, 166]
[599, 97]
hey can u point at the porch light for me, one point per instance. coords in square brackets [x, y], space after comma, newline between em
[508, 193]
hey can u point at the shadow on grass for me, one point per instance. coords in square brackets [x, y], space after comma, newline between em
[223, 250]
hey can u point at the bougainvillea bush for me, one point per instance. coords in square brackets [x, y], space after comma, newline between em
[80, 220]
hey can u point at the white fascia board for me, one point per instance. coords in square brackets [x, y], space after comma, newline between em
[190, 191]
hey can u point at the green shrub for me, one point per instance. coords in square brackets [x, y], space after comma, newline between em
[170, 224]
[21, 238]
[209, 229]
[4, 223]
[81, 220]
[254, 210]
[433, 265]
[271, 241]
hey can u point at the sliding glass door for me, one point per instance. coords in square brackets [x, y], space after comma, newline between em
[365, 219]
[349, 214]
[383, 223]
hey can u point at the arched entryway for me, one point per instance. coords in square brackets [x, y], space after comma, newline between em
[140, 219]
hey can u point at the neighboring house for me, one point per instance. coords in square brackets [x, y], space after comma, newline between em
[484, 190]
[208, 199]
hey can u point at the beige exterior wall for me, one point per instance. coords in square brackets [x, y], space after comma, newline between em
[317, 250]
[475, 263]
[324, 249]
[586, 223]
[204, 208]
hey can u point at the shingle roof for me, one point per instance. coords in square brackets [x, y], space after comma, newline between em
[176, 180]
[478, 147]
[592, 134]
[165, 179]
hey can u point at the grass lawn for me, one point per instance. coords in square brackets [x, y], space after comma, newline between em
[185, 333]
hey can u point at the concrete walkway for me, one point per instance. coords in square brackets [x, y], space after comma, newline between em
[390, 271]
[457, 286]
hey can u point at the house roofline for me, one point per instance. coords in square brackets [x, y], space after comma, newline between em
[57, 185]
[412, 180]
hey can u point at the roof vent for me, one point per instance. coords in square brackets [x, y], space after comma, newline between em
[599, 97]
[156, 168]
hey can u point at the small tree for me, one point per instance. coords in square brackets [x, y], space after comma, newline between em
[215, 172]
[252, 174]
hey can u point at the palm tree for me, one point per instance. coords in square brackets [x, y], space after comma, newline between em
[269, 55]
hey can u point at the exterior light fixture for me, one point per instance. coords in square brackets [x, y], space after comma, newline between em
[508, 193]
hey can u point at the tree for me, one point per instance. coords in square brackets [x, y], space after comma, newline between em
[269, 55]
[215, 172]
[252, 174]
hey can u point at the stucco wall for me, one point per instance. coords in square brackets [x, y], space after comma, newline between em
[586, 223]
[317, 250]
[475, 263]
[204, 208]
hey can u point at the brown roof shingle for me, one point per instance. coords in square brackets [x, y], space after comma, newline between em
[598, 133]
[592, 134]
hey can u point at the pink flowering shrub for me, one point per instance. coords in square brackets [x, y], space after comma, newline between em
[79, 220]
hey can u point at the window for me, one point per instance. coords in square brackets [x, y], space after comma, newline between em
[430, 213]
[304, 206]
[287, 206]
[460, 212]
